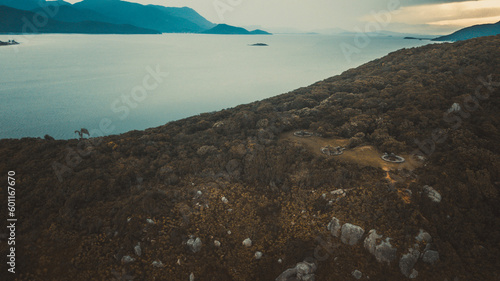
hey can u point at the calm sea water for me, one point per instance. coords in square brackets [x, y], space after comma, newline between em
[56, 84]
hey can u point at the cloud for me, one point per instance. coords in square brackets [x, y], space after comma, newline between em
[446, 16]
[424, 2]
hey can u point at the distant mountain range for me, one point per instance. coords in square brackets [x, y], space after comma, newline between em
[163, 19]
[14, 21]
[472, 32]
[228, 29]
[113, 16]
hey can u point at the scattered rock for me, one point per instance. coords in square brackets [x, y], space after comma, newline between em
[198, 194]
[423, 236]
[218, 124]
[191, 277]
[217, 243]
[150, 221]
[334, 227]
[454, 108]
[414, 274]
[303, 271]
[408, 261]
[224, 200]
[351, 234]
[357, 274]
[430, 256]
[432, 194]
[371, 241]
[137, 249]
[383, 251]
[247, 242]
[194, 244]
[288, 275]
[127, 259]
[158, 264]
[258, 255]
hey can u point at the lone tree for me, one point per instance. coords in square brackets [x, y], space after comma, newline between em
[82, 132]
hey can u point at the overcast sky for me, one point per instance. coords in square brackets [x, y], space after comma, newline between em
[413, 16]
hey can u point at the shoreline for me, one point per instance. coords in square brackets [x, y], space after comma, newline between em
[274, 94]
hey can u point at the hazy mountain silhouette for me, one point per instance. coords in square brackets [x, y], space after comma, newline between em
[229, 29]
[31, 4]
[117, 12]
[19, 21]
[472, 32]
[69, 13]
[164, 19]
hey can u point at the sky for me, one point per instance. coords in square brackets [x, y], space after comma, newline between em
[407, 16]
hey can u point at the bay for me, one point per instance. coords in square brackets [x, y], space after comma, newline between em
[58, 83]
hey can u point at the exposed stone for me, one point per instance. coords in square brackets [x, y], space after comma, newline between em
[303, 271]
[424, 236]
[432, 194]
[194, 244]
[340, 192]
[218, 124]
[288, 275]
[157, 264]
[247, 242]
[191, 277]
[357, 274]
[414, 274]
[258, 255]
[408, 261]
[454, 108]
[137, 249]
[351, 234]
[224, 200]
[430, 256]
[334, 226]
[217, 243]
[371, 241]
[383, 252]
[127, 259]
[150, 221]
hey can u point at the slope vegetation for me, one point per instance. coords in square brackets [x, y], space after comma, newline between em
[179, 200]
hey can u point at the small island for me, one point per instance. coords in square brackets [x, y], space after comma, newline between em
[9, 43]
[229, 29]
[417, 38]
[259, 44]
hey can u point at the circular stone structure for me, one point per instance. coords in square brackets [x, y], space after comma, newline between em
[303, 134]
[332, 151]
[393, 158]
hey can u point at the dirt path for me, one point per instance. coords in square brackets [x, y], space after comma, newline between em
[363, 155]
